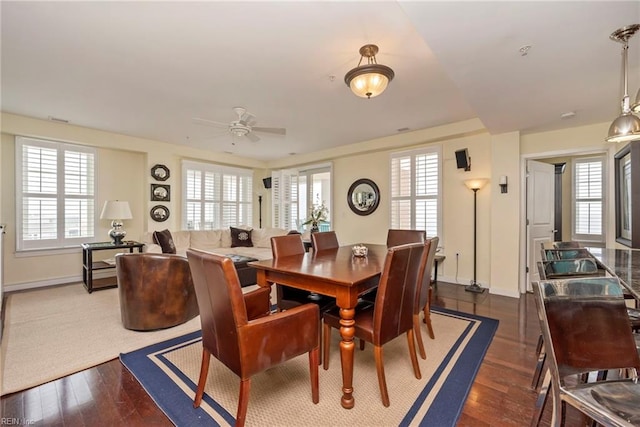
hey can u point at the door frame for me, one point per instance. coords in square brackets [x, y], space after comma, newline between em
[522, 280]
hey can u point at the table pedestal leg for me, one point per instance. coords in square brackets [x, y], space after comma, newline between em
[346, 355]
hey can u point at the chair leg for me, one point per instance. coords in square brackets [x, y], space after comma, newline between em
[542, 356]
[427, 315]
[541, 400]
[202, 380]
[412, 353]
[313, 369]
[243, 402]
[382, 382]
[326, 338]
[418, 334]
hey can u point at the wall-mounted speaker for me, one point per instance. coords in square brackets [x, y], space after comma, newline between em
[463, 160]
[267, 182]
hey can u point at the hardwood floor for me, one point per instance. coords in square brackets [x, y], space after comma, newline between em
[108, 395]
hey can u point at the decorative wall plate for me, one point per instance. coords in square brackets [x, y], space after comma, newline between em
[160, 193]
[160, 172]
[159, 213]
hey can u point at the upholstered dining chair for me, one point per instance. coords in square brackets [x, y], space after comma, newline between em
[392, 313]
[155, 291]
[397, 237]
[287, 297]
[586, 329]
[423, 295]
[324, 240]
[239, 331]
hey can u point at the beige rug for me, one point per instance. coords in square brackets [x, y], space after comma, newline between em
[50, 333]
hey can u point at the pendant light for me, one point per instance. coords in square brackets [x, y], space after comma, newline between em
[371, 79]
[627, 126]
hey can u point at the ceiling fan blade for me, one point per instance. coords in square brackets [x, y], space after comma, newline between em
[252, 137]
[277, 131]
[206, 122]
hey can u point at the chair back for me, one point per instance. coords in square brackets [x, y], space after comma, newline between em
[221, 303]
[553, 254]
[563, 268]
[396, 296]
[396, 237]
[287, 245]
[324, 240]
[425, 273]
[155, 290]
[585, 322]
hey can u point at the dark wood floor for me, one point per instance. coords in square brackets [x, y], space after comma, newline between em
[107, 395]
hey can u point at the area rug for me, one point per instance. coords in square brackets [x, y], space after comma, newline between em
[281, 396]
[53, 332]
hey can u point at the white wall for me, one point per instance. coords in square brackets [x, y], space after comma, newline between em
[128, 160]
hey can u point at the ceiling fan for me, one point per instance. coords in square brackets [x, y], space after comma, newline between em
[243, 126]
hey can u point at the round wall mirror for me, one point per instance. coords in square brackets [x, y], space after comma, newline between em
[363, 196]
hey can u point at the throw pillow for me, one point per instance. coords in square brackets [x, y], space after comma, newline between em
[164, 239]
[240, 237]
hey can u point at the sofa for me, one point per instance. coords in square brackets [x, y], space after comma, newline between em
[219, 241]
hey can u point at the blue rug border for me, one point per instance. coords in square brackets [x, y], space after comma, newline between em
[442, 412]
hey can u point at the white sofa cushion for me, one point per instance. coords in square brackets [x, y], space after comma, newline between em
[207, 240]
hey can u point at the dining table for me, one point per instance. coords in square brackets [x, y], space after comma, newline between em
[333, 272]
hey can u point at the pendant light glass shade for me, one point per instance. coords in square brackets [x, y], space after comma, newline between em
[627, 126]
[370, 80]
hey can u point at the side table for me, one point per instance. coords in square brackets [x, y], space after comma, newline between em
[89, 266]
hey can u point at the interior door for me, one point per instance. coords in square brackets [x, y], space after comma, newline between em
[540, 213]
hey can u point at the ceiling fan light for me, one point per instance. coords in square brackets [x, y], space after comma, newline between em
[625, 128]
[371, 79]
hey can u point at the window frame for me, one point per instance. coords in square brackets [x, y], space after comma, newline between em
[412, 154]
[60, 195]
[244, 196]
[582, 237]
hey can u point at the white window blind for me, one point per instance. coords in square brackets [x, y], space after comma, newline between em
[284, 199]
[588, 189]
[415, 191]
[216, 196]
[55, 189]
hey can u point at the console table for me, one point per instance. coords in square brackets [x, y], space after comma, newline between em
[89, 266]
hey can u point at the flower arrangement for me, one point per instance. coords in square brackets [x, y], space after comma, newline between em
[317, 214]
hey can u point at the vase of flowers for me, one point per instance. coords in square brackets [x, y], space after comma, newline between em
[317, 215]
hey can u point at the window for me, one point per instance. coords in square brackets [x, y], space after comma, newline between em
[216, 196]
[55, 194]
[296, 192]
[415, 190]
[588, 199]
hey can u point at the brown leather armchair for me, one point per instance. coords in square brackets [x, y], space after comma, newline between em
[156, 291]
[392, 313]
[240, 332]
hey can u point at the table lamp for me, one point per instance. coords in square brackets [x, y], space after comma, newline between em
[116, 211]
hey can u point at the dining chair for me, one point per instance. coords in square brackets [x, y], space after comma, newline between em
[288, 297]
[392, 313]
[324, 240]
[424, 293]
[236, 326]
[586, 329]
[397, 237]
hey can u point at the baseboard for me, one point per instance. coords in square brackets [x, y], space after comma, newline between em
[41, 284]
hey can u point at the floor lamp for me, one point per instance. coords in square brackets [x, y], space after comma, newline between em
[475, 185]
[260, 208]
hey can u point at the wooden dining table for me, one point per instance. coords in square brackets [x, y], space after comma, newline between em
[337, 273]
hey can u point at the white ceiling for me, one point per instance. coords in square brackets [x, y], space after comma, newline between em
[147, 68]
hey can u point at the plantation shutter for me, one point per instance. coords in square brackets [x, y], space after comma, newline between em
[284, 199]
[216, 196]
[588, 199]
[55, 194]
[415, 191]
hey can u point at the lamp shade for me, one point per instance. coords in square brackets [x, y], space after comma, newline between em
[116, 209]
[625, 128]
[475, 184]
[371, 79]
